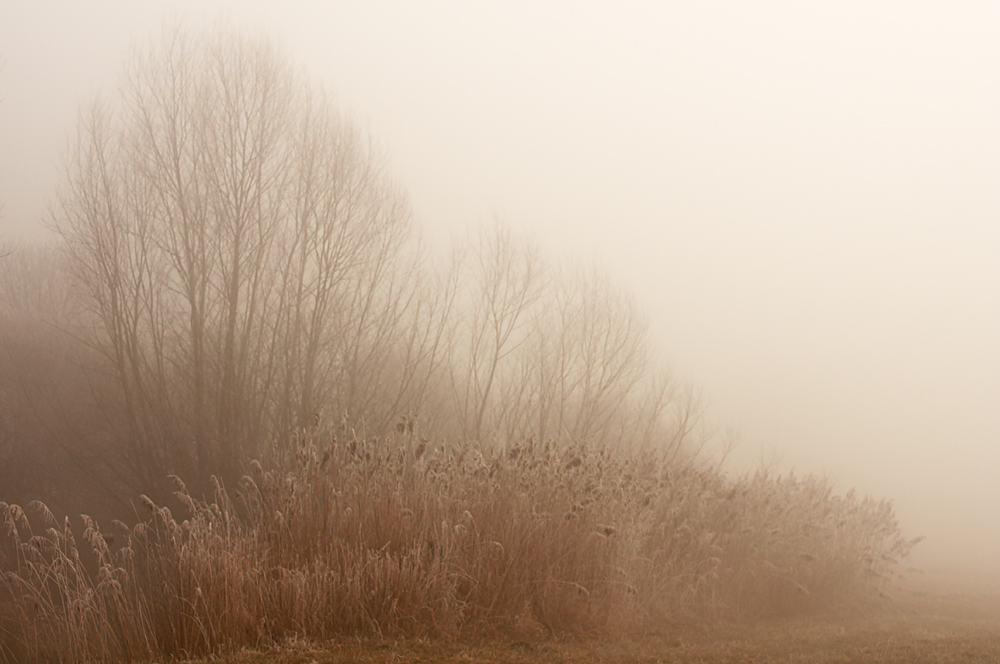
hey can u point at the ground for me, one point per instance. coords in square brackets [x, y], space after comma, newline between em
[922, 623]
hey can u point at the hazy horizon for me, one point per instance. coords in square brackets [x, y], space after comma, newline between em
[803, 199]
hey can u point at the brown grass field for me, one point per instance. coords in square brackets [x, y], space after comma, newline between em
[355, 550]
[924, 622]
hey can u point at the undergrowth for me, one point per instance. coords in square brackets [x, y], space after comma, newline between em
[346, 537]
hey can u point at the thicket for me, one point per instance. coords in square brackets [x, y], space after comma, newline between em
[397, 538]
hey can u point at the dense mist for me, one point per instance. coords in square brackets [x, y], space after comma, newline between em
[796, 206]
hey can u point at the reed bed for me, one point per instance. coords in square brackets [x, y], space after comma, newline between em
[340, 537]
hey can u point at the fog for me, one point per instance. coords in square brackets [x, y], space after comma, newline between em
[803, 197]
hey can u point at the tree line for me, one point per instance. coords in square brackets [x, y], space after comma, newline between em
[234, 264]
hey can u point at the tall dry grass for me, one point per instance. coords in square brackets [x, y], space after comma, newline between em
[340, 536]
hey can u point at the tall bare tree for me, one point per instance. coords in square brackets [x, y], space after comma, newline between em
[239, 244]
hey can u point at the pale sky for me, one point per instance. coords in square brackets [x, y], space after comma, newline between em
[803, 196]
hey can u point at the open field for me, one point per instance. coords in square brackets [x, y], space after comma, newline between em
[923, 623]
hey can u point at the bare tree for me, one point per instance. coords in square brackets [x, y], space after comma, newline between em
[590, 373]
[506, 279]
[238, 243]
[556, 355]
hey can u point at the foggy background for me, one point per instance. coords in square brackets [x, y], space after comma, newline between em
[803, 197]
